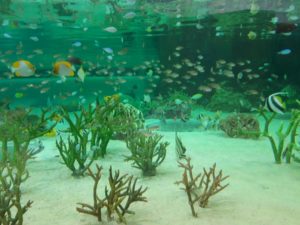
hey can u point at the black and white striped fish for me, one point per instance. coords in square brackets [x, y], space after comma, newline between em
[274, 103]
[180, 149]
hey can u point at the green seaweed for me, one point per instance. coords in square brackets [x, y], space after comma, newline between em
[114, 117]
[236, 101]
[12, 174]
[281, 149]
[146, 152]
[20, 127]
[75, 154]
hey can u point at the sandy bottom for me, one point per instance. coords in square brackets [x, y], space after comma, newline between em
[260, 192]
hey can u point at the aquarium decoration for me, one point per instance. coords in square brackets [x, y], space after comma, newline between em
[12, 175]
[280, 146]
[201, 187]
[120, 193]
[241, 126]
[147, 152]
[179, 147]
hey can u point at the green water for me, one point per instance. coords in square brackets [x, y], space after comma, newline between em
[211, 73]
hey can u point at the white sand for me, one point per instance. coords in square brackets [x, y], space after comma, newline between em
[260, 192]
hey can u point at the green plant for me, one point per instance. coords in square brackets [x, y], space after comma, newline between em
[114, 117]
[146, 152]
[119, 194]
[201, 187]
[75, 154]
[280, 148]
[20, 127]
[12, 175]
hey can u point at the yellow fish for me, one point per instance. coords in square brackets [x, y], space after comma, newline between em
[63, 68]
[252, 35]
[22, 68]
[57, 118]
[115, 98]
[51, 133]
[19, 95]
[81, 74]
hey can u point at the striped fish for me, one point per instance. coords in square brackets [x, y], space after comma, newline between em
[275, 104]
[180, 149]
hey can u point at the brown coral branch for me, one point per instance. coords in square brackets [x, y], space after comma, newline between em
[209, 185]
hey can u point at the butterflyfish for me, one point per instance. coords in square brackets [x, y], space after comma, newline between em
[22, 68]
[64, 68]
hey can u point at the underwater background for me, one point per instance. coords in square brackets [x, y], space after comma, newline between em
[164, 84]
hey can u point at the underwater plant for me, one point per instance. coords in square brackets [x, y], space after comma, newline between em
[20, 127]
[238, 101]
[75, 154]
[281, 149]
[147, 152]
[114, 117]
[201, 187]
[12, 174]
[210, 121]
[178, 105]
[119, 195]
[241, 126]
[103, 121]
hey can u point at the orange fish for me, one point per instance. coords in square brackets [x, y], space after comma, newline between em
[64, 68]
[22, 68]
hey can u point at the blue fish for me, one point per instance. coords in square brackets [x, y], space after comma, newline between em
[284, 51]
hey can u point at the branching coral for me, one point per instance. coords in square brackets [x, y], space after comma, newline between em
[20, 127]
[114, 117]
[120, 193]
[146, 152]
[201, 187]
[280, 148]
[75, 154]
[12, 175]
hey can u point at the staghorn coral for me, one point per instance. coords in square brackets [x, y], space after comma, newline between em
[20, 127]
[12, 175]
[120, 193]
[114, 117]
[201, 187]
[280, 148]
[241, 126]
[75, 154]
[146, 152]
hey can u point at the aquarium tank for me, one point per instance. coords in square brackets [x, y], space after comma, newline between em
[147, 112]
